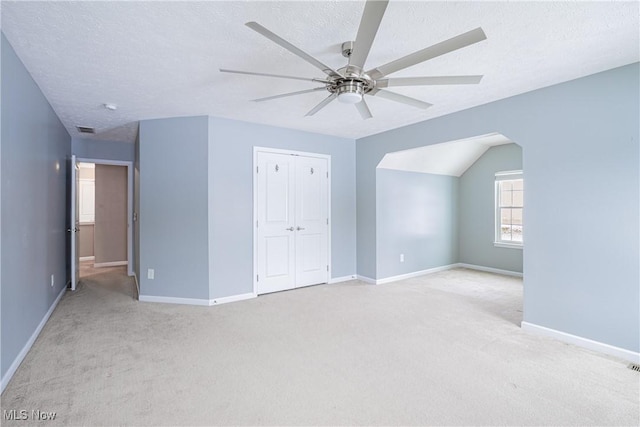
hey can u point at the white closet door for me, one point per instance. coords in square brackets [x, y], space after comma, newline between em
[292, 221]
[311, 221]
[275, 222]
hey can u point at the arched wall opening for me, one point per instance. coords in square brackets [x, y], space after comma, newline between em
[581, 164]
[436, 209]
[436, 206]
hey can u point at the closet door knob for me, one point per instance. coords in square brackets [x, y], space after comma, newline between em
[289, 229]
[300, 228]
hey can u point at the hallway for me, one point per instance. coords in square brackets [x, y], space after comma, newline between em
[106, 280]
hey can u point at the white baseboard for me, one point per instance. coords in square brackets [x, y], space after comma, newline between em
[196, 301]
[600, 347]
[366, 279]
[87, 258]
[232, 298]
[489, 269]
[173, 300]
[341, 279]
[435, 270]
[110, 264]
[415, 274]
[23, 353]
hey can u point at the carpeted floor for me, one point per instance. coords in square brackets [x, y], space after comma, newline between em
[443, 349]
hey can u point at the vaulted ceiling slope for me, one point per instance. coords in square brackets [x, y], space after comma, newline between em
[451, 158]
[161, 59]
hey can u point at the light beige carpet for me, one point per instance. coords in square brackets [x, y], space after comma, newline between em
[443, 349]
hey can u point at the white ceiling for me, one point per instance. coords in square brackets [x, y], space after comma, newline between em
[161, 59]
[451, 158]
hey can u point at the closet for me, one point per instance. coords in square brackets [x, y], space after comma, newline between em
[292, 221]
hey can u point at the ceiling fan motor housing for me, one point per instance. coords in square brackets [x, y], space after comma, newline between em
[352, 87]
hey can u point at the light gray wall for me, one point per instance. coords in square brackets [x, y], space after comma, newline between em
[580, 148]
[85, 148]
[231, 180]
[417, 215]
[196, 217]
[366, 161]
[110, 243]
[34, 152]
[477, 210]
[136, 209]
[173, 212]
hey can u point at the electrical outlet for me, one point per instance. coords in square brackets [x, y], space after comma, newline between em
[401, 257]
[53, 280]
[150, 273]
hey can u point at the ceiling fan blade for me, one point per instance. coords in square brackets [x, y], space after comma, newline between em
[363, 109]
[268, 98]
[371, 17]
[291, 48]
[455, 43]
[279, 76]
[392, 96]
[323, 104]
[425, 81]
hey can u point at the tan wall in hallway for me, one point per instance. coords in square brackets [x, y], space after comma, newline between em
[86, 240]
[86, 172]
[111, 214]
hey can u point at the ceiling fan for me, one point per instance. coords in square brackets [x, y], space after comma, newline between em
[352, 82]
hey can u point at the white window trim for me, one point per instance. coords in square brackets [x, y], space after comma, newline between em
[508, 245]
[497, 241]
[507, 175]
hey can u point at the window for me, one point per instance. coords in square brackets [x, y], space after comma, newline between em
[509, 207]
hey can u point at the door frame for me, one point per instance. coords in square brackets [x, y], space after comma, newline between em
[129, 166]
[257, 150]
[74, 227]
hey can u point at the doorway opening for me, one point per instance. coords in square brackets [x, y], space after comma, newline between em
[104, 213]
[457, 204]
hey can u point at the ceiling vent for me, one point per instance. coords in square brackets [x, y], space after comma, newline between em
[85, 129]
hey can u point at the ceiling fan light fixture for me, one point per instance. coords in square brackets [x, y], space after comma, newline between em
[349, 97]
[350, 92]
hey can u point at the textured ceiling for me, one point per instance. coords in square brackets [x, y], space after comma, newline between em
[161, 59]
